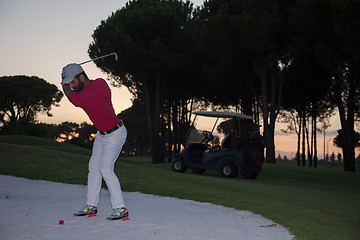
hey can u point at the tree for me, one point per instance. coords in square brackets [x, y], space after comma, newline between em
[66, 131]
[134, 118]
[326, 160]
[84, 135]
[306, 97]
[232, 81]
[43, 130]
[22, 98]
[267, 37]
[332, 158]
[150, 35]
[339, 53]
[248, 42]
[339, 158]
[293, 123]
[356, 140]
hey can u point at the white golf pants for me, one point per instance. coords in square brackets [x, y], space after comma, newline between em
[105, 152]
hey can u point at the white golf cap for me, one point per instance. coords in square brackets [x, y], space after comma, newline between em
[69, 72]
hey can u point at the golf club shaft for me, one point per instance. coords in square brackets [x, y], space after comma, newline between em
[100, 58]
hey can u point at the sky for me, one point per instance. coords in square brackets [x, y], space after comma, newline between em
[39, 37]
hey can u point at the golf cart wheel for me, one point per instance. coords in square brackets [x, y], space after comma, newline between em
[250, 174]
[178, 165]
[198, 170]
[228, 170]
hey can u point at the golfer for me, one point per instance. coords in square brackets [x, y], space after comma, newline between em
[94, 97]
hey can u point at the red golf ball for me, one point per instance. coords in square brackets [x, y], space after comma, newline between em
[61, 222]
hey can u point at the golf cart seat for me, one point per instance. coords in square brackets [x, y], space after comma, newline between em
[229, 142]
[225, 141]
[233, 143]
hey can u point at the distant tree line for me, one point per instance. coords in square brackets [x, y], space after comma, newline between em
[83, 135]
[332, 160]
[78, 134]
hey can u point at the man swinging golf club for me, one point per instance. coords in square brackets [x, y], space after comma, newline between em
[94, 97]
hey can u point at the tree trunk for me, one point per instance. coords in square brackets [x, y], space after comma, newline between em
[347, 124]
[299, 139]
[271, 104]
[162, 128]
[149, 118]
[170, 135]
[308, 146]
[303, 139]
[158, 153]
[153, 115]
[315, 142]
[175, 124]
[268, 134]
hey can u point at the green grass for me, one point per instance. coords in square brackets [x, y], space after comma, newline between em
[322, 203]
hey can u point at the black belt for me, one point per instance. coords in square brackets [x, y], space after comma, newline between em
[113, 129]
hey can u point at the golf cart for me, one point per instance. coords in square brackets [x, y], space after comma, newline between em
[242, 151]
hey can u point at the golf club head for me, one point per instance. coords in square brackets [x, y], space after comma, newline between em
[116, 56]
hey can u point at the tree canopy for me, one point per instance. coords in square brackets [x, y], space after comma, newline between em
[22, 98]
[151, 38]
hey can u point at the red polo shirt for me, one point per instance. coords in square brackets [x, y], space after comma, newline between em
[95, 100]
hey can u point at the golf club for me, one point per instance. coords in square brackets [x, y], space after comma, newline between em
[116, 58]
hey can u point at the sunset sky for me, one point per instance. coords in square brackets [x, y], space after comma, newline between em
[39, 37]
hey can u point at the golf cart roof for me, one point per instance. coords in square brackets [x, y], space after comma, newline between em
[223, 114]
